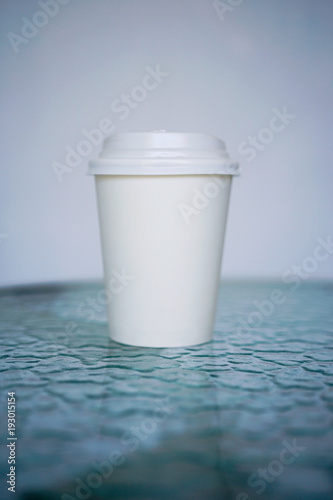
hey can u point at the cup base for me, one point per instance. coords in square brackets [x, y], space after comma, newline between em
[161, 345]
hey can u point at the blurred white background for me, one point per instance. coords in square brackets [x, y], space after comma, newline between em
[228, 69]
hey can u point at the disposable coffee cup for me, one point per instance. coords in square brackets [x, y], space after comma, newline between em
[162, 201]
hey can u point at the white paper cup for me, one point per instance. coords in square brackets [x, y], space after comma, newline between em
[162, 202]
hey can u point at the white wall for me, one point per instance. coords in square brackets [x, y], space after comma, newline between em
[227, 74]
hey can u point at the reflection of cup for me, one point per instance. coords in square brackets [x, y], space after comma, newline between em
[163, 201]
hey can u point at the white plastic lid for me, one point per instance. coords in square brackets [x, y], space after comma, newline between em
[163, 153]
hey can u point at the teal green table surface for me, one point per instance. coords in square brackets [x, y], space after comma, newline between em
[246, 416]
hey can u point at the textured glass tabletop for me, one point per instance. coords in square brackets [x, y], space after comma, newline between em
[246, 416]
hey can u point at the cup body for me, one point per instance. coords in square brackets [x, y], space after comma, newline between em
[162, 240]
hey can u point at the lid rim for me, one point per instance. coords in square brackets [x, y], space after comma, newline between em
[161, 167]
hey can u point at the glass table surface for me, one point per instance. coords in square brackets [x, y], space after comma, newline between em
[246, 416]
